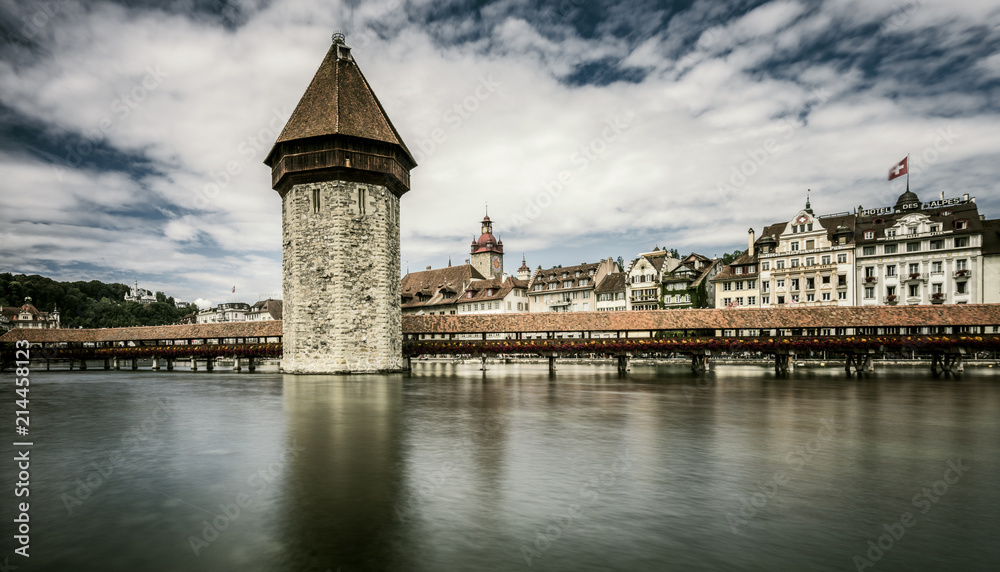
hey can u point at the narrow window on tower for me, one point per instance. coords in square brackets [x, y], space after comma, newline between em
[315, 200]
[361, 201]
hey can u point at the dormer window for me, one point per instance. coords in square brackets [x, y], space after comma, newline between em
[961, 224]
[869, 234]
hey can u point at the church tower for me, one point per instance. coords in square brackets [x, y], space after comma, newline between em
[340, 168]
[487, 252]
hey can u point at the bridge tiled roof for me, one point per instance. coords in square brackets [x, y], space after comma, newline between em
[270, 328]
[711, 319]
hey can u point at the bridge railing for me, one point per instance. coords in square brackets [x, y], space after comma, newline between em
[839, 344]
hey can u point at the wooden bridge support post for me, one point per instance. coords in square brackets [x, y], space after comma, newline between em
[117, 364]
[699, 362]
[251, 366]
[409, 363]
[107, 363]
[83, 365]
[869, 366]
[47, 365]
[71, 364]
[194, 363]
[237, 363]
[784, 363]
[552, 363]
[624, 363]
[170, 364]
[135, 363]
[210, 364]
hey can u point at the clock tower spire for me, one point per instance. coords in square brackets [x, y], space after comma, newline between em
[487, 251]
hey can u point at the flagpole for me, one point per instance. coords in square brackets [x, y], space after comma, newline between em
[907, 172]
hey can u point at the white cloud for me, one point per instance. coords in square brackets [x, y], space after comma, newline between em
[206, 216]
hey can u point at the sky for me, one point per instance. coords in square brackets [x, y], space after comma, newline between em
[590, 129]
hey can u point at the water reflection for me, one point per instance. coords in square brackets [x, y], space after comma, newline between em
[451, 469]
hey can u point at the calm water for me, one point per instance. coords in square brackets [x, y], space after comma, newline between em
[450, 470]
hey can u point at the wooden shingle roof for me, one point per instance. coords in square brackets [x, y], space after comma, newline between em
[270, 328]
[339, 101]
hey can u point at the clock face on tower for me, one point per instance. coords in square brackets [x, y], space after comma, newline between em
[496, 263]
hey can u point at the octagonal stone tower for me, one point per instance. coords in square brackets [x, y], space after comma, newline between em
[340, 168]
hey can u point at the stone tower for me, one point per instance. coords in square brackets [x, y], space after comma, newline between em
[340, 168]
[487, 251]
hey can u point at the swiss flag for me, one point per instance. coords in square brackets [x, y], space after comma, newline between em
[899, 169]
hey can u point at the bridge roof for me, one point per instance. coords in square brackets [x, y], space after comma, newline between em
[270, 328]
[710, 319]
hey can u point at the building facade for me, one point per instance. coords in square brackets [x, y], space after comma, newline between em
[611, 293]
[689, 284]
[340, 168]
[28, 316]
[643, 279]
[807, 261]
[568, 289]
[139, 295]
[265, 310]
[436, 292]
[921, 252]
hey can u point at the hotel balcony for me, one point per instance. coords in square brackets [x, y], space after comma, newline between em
[963, 274]
[871, 279]
[914, 276]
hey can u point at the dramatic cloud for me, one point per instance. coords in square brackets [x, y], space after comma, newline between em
[134, 133]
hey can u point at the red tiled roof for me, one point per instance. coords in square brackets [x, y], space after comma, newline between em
[434, 284]
[614, 282]
[711, 319]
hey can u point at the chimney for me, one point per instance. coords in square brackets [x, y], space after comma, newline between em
[428, 267]
[750, 241]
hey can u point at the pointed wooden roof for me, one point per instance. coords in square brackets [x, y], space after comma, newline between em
[339, 101]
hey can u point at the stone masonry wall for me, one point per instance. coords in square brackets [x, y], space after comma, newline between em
[341, 279]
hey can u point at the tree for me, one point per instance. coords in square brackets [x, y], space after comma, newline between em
[728, 258]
